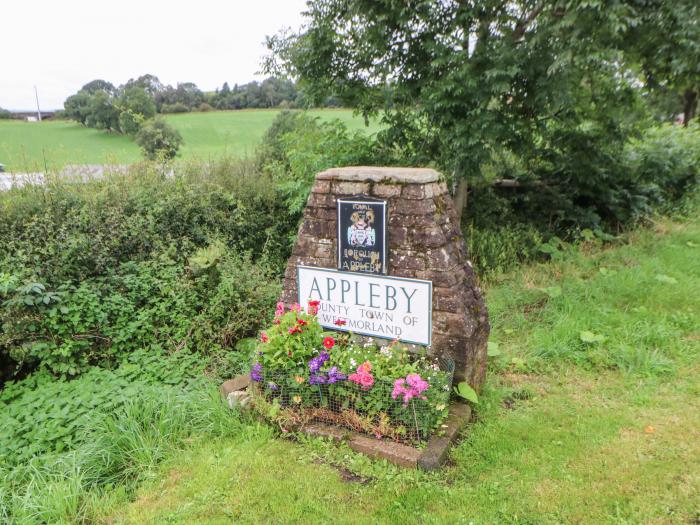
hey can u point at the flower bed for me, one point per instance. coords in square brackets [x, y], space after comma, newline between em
[304, 374]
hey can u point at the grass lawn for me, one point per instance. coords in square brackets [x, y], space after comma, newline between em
[29, 146]
[591, 414]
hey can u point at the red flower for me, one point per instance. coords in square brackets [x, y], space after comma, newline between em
[340, 322]
[329, 342]
[295, 329]
[263, 337]
[313, 307]
[301, 322]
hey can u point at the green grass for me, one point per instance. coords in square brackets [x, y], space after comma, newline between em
[30, 146]
[570, 429]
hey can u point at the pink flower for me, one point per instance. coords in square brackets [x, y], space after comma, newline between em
[366, 380]
[296, 307]
[263, 337]
[412, 386]
[280, 309]
[362, 377]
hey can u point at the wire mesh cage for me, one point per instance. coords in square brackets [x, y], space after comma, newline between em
[406, 410]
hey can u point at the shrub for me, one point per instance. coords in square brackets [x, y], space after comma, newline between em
[158, 140]
[106, 268]
[665, 164]
[130, 122]
[297, 146]
[5, 114]
[177, 107]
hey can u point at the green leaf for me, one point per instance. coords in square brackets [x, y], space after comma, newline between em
[465, 391]
[552, 291]
[591, 338]
[666, 279]
[492, 349]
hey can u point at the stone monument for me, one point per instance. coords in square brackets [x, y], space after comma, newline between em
[399, 261]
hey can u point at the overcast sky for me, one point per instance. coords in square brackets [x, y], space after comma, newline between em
[61, 45]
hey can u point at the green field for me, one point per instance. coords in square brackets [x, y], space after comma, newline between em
[35, 146]
[591, 414]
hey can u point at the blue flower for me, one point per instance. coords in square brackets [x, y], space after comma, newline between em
[256, 372]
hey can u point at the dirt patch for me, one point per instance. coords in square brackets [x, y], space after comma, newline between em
[346, 475]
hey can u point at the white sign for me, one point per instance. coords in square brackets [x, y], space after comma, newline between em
[384, 307]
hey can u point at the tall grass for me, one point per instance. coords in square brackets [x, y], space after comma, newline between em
[119, 451]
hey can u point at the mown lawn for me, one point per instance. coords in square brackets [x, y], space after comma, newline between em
[32, 146]
[591, 414]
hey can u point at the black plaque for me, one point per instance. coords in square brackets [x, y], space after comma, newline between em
[362, 239]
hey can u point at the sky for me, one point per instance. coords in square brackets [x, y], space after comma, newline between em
[58, 46]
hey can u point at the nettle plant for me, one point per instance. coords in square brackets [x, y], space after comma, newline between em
[304, 373]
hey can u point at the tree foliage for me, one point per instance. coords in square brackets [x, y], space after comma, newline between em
[159, 140]
[466, 84]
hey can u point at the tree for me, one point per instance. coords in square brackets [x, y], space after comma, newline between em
[135, 106]
[98, 85]
[665, 42]
[158, 140]
[102, 112]
[149, 82]
[77, 107]
[460, 82]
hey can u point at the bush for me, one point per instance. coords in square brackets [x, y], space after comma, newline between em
[297, 146]
[665, 164]
[177, 107]
[158, 140]
[106, 268]
[5, 114]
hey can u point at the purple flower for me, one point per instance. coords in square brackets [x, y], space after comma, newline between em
[272, 386]
[334, 375]
[256, 372]
[317, 362]
[317, 379]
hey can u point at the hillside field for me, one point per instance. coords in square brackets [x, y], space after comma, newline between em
[37, 146]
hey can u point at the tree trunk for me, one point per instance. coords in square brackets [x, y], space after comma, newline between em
[690, 104]
[461, 194]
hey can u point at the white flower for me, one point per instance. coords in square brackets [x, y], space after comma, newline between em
[440, 407]
[385, 351]
[353, 362]
[446, 388]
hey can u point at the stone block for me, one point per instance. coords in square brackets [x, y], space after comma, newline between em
[435, 452]
[350, 188]
[380, 174]
[395, 453]
[240, 382]
[414, 191]
[386, 191]
[429, 237]
[321, 186]
[417, 207]
[321, 200]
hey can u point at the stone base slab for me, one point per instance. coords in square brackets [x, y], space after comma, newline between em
[429, 458]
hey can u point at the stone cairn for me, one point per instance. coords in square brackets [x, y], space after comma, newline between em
[425, 242]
